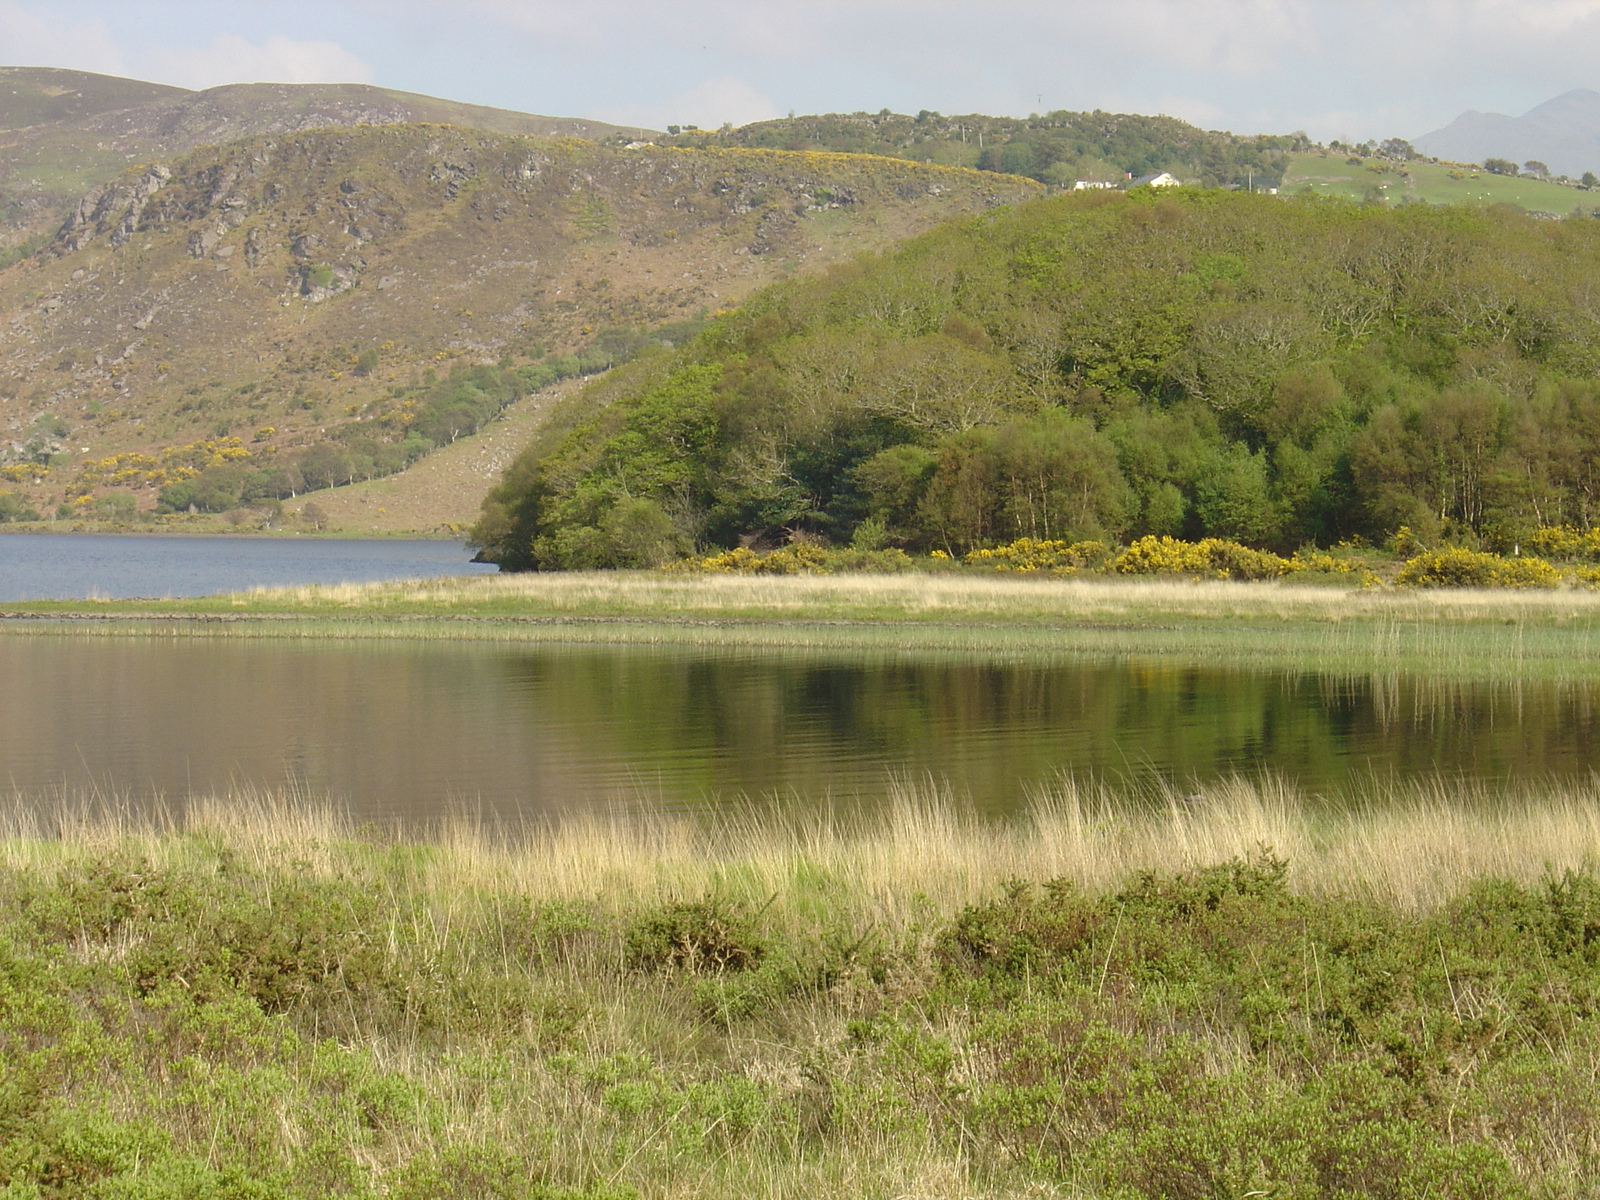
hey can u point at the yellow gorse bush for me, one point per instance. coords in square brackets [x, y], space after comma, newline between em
[800, 558]
[170, 465]
[1460, 567]
[1211, 557]
[1323, 563]
[1027, 554]
[791, 560]
[1564, 541]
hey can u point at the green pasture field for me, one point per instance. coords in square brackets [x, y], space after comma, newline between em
[1461, 633]
[1430, 183]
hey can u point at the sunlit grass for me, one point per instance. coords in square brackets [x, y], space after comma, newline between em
[921, 595]
[1497, 634]
[1409, 845]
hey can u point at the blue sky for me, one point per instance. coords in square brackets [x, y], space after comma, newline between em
[1335, 68]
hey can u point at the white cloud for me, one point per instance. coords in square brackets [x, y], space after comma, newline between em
[1195, 111]
[1548, 16]
[231, 59]
[1214, 31]
[30, 38]
[708, 105]
[1383, 65]
[1358, 68]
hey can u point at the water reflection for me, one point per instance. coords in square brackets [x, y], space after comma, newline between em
[409, 729]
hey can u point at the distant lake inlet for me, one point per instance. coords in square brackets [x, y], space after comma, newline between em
[85, 566]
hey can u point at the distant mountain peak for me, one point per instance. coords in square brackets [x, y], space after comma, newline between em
[1574, 112]
[1563, 133]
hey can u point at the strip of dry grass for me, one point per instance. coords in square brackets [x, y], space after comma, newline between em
[926, 596]
[1495, 634]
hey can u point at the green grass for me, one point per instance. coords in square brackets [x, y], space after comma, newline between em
[1119, 996]
[1457, 633]
[1431, 183]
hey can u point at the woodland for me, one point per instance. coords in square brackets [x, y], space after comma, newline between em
[1282, 372]
[1057, 148]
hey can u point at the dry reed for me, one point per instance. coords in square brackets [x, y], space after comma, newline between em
[932, 595]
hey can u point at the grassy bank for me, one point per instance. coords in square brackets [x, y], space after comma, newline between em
[1118, 996]
[1453, 632]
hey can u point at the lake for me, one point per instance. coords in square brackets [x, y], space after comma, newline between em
[81, 566]
[410, 730]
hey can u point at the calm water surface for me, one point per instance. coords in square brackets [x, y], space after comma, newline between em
[411, 730]
[49, 567]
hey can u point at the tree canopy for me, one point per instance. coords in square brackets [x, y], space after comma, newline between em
[1199, 363]
[1057, 147]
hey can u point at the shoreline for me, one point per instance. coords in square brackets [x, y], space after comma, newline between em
[1498, 634]
[46, 529]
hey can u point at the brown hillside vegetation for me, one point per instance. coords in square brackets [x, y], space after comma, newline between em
[278, 288]
[63, 132]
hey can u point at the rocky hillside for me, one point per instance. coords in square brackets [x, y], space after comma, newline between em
[62, 132]
[242, 304]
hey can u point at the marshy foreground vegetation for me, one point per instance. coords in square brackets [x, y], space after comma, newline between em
[1121, 994]
[1242, 993]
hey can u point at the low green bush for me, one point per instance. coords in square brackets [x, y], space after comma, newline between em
[207, 1027]
[700, 937]
[13, 507]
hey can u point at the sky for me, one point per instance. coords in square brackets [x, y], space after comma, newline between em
[1346, 69]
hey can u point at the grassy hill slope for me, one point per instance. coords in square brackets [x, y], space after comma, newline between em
[437, 495]
[1332, 174]
[33, 96]
[292, 290]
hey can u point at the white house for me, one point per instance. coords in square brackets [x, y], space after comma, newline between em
[1159, 179]
[1085, 185]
